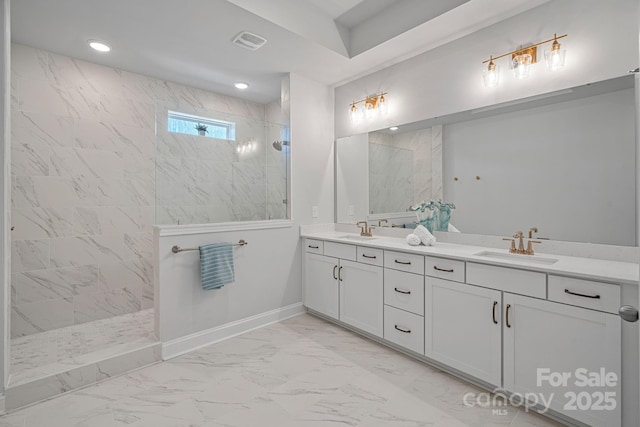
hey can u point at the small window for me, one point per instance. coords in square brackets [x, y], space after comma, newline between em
[192, 125]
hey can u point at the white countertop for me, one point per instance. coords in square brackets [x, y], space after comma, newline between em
[586, 268]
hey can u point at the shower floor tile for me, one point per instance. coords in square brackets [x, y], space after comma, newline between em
[51, 352]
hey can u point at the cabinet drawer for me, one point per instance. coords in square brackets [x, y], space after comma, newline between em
[444, 268]
[313, 246]
[585, 293]
[370, 256]
[403, 328]
[511, 280]
[404, 262]
[404, 291]
[340, 250]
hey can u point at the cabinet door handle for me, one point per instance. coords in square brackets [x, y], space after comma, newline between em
[403, 262]
[567, 291]
[340, 273]
[334, 272]
[446, 270]
[405, 331]
[369, 256]
[495, 304]
[400, 291]
[507, 316]
[314, 247]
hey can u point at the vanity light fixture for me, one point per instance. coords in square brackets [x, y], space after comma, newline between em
[374, 105]
[99, 46]
[241, 85]
[523, 58]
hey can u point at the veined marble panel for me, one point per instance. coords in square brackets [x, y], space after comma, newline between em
[107, 220]
[30, 158]
[45, 129]
[102, 305]
[131, 274]
[120, 192]
[39, 285]
[73, 162]
[127, 112]
[38, 96]
[53, 191]
[41, 316]
[28, 63]
[87, 250]
[436, 162]
[27, 255]
[40, 223]
[138, 245]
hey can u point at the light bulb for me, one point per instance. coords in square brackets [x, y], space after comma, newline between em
[521, 65]
[491, 74]
[383, 106]
[354, 113]
[369, 111]
[554, 56]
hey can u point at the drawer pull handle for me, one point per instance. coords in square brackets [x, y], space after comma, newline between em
[495, 304]
[314, 247]
[567, 291]
[405, 331]
[369, 256]
[400, 291]
[446, 270]
[403, 262]
[507, 316]
[340, 273]
[334, 272]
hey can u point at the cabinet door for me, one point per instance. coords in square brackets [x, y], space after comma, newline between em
[543, 337]
[321, 284]
[361, 301]
[463, 328]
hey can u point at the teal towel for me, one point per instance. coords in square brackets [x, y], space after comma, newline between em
[216, 265]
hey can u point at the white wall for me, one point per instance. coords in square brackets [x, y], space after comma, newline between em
[352, 178]
[567, 168]
[269, 268]
[602, 44]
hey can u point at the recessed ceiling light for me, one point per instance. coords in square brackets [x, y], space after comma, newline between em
[393, 128]
[240, 85]
[99, 46]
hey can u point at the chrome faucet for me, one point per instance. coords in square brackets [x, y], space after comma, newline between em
[364, 229]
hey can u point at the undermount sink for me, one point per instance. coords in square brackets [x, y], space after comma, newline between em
[531, 259]
[356, 237]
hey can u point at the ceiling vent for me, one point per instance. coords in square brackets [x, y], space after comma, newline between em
[249, 40]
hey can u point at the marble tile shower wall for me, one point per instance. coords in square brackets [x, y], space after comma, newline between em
[83, 172]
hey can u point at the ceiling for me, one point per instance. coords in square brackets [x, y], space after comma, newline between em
[189, 42]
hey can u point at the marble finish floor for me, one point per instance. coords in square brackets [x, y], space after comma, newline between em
[51, 352]
[303, 372]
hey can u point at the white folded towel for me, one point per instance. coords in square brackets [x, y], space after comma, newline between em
[425, 236]
[413, 240]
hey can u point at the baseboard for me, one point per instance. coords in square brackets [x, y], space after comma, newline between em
[186, 344]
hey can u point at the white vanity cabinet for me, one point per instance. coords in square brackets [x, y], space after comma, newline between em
[321, 284]
[341, 288]
[560, 340]
[463, 328]
[361, 296]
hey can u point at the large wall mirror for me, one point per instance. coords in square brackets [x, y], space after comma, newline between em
[563, 162]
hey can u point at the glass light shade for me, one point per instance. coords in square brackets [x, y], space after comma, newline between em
[554, 57]
[522, 65]
[369, 111]
[383, 106]
[491, 75]
[354, 114]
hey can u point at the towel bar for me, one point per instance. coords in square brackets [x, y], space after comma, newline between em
[177, 248]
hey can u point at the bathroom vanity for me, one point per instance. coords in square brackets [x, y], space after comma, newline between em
[513, 323]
